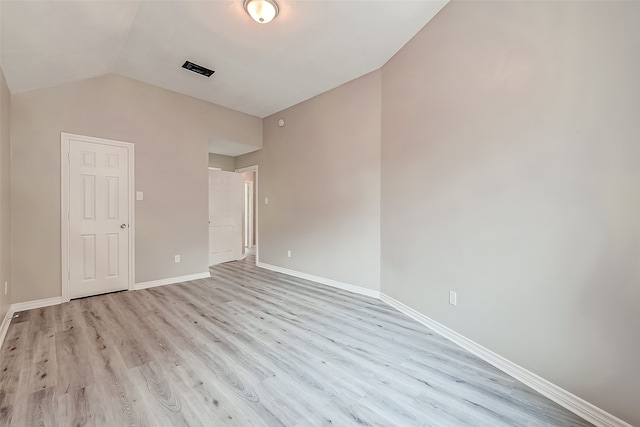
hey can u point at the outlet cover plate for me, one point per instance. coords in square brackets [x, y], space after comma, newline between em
[453, 298]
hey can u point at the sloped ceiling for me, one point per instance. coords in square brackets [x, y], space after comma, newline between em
[311, 47]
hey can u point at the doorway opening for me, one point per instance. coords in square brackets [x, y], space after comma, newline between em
[250, 220]
[248, 215]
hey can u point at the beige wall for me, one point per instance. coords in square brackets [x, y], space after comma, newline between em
[170, 133]
[511, 174]
[321, 172]
[5, 227]
[226, 163]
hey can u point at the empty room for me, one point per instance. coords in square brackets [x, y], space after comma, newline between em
[319, 212]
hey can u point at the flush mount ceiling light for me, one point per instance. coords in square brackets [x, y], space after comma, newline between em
[262, 11]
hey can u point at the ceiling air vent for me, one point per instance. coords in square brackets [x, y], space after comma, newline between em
[197, 69]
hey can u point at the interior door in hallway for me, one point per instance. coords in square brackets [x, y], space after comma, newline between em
[226, 208]
[99, 239]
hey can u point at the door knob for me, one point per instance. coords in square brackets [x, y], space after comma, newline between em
[123, 225]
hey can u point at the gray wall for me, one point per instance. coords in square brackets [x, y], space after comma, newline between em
[170, 132]
[226, 163]
[5, 223]
[321, 172]
[511, 174]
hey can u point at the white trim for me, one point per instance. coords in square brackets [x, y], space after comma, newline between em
[578, 406]
[30, 305]
[64, 204]
[573, 403]
[329, 282]
[170, 281]
[5, 325]
[22, 306]
[39, 303]
[253, 168]
[256, 207]
[250, 214]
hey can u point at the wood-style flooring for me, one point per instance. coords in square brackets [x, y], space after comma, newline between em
[249, 347]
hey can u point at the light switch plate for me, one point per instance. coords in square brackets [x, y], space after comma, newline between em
[139, 195]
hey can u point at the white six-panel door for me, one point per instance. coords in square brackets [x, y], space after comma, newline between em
[226, 208]
[98, 217]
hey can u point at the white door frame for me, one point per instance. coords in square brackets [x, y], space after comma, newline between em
[256, 207]
[64, 204]
[249, 214]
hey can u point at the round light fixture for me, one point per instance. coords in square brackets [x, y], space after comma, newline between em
[262, 11]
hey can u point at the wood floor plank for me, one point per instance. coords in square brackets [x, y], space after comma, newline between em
[72, 315]
[110, 381]
[187, 337]
[278, 399]
[73, 408]
[36, 409]
[345, 413]
[40, 363]
[45, 320]
[215, 326]
[72, 359]
[250, 347]
[214, 398]
[129, 341]
[11, 360]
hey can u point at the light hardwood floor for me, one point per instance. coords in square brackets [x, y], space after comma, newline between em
[249, 347]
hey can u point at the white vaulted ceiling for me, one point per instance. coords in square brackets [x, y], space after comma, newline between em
[311, 47]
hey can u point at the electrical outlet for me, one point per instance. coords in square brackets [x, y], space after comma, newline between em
[289, 254]
[177, 258]
[453, 298]
[6, 287]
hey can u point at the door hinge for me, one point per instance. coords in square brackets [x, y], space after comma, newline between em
[69, 156]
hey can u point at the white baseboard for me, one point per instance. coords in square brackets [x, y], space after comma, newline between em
[170, 281]
[562, 397]
[5, 326]
[22, 306]
[329, 282]
[30, 305]
[578, 406]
